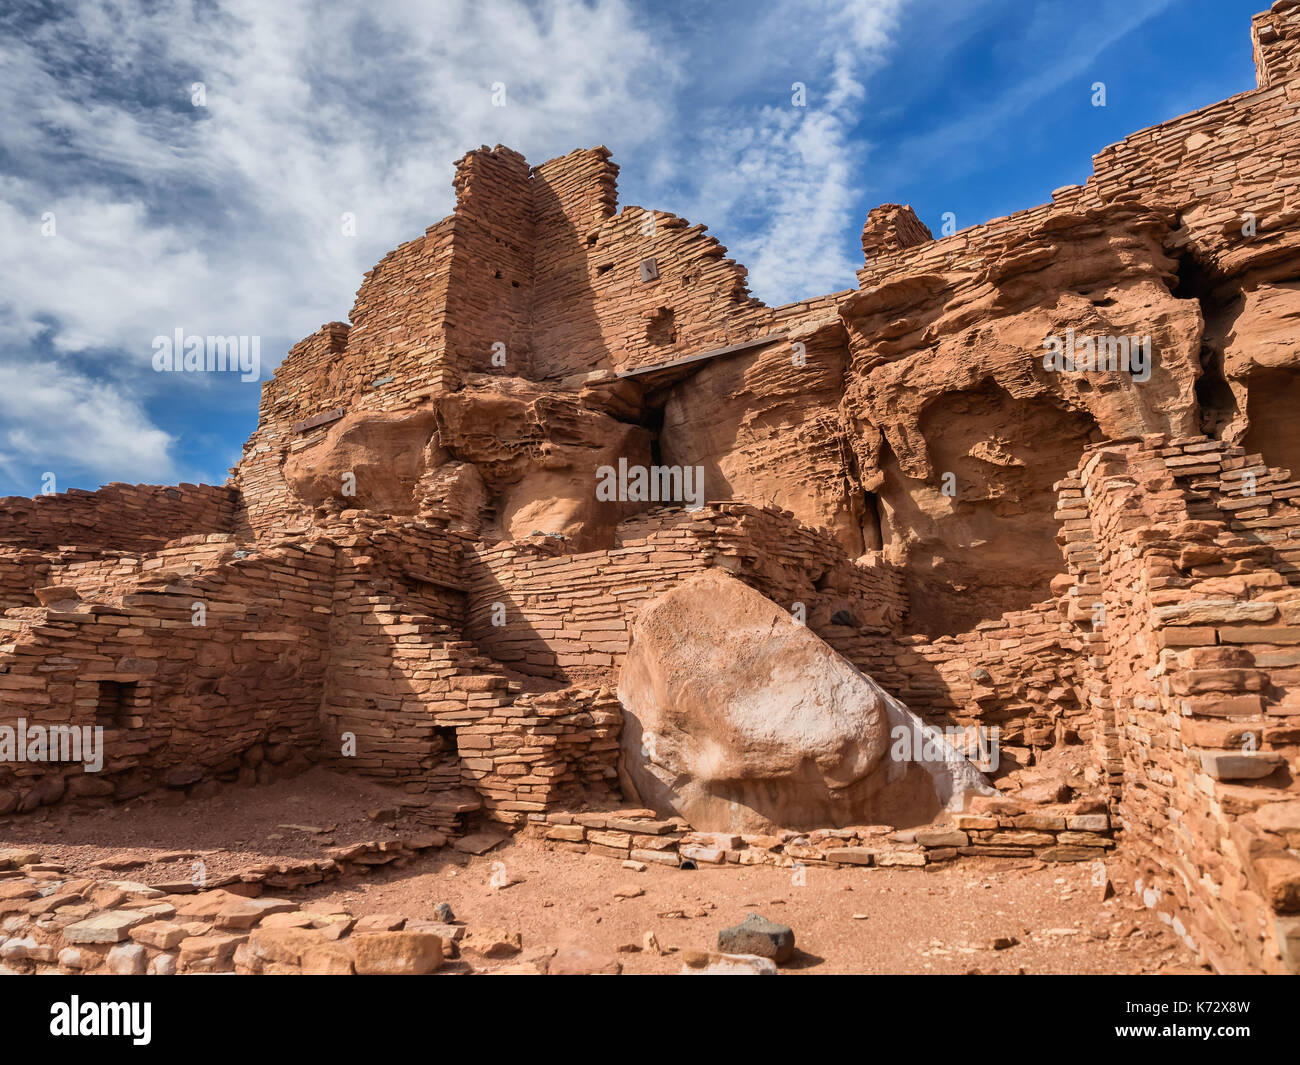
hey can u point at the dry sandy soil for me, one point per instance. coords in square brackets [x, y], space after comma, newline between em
[850, 920]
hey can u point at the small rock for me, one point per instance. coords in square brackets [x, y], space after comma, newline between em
[710, 963]
[443, 912]
[17, 949]
[128, 959]
[491, 942]
[757, 935]
[162, 965]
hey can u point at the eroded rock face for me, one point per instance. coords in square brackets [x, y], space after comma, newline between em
[1257, 335]
[765, 427]
[961, 430]
[740, 719]
[382, 455]
[538, 452]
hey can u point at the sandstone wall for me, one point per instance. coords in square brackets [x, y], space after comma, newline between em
[593, 309]
[537, 262]
[490, 288]
[179, 703]
[1199, 640]
[22, 571]
[566, 615]
[1275, 35]
[120, 517]
[1024, 673]
[912, 473]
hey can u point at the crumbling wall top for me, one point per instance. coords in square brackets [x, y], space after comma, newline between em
[1275, 35]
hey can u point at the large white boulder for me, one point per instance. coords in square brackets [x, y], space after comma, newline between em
[738, 718]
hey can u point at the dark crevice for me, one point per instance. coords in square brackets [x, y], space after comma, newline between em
[653, 422]
[1216, 405]
[873, 536]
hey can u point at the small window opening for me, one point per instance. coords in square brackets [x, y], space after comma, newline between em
[116, 704]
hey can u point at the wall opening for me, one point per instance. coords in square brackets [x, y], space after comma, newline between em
[444, 768]
[873, 534]
[116, 704]
[1273, 398]
[1216, 404]
[661, 326]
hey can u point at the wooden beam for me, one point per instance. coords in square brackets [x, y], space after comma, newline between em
[319, 419]
[730, 349]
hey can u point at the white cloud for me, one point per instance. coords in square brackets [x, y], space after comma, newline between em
[226, 218]
[54, 419]
[787, 178]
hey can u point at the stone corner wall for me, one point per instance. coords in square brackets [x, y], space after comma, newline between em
[1275, 36]
[1183, 554]
[122, 517]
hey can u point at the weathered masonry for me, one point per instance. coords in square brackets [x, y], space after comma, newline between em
[409, 574]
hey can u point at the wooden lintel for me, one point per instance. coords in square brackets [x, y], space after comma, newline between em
[319, 419]
[730, 349]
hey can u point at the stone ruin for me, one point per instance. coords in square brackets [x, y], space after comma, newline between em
[876, 513]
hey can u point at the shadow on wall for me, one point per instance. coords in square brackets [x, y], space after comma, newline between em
[1272, 406]
[766, 430]
[566, 331]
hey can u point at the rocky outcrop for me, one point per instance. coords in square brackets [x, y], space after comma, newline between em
[955, 485]
[961, 430]
[370, 459]
[764, 426]
[538, 452]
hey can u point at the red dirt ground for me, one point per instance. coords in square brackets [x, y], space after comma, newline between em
[849, 920]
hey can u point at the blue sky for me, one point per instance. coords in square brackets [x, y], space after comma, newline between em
[224, 217]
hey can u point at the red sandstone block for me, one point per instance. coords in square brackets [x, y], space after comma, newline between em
[1278, 634]
[1192, 636]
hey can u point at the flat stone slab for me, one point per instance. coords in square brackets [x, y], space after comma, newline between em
[111, 926]
[710, 963]
[245, 913]
[575, 961]
[478, 842]
[851, 855]
[134, 887]
[397, 953]
[1232, 765]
